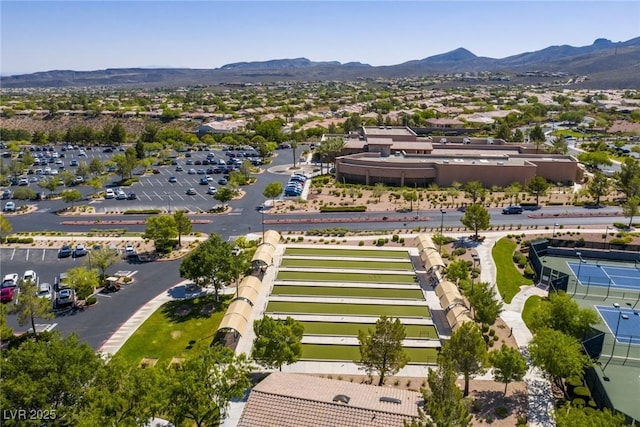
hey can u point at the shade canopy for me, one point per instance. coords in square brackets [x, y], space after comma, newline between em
[249, 289]
[445, 287]
[455, 315]
[271, 237]
[263, 255]
[237, 316]
[424, 241]
[450, 299]
[431, 259]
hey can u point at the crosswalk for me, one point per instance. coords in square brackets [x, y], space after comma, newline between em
[44, 327]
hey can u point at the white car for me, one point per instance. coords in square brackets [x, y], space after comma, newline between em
[80, 250]
[10, 280]
[10, 207]
[45, 290]
[129, 250]
[109, 194]
[212, 190]
[30, 275]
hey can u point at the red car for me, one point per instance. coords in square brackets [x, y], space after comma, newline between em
[6, 295]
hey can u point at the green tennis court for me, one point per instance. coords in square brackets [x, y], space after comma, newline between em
[330, 291]
[352, 353]
[348, 309]
[356, 253]
[352, 329]
[361, 265]
[315, 276]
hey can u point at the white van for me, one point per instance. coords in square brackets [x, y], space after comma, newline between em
[109, 194]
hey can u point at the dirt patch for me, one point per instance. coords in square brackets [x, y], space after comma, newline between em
[183, 311]
[176, 334]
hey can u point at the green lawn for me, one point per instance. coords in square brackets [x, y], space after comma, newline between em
[355, 253]
[352, 329]
[316, 276]
[352, 353]
[361, 265]
[531, 305]
[166, 334]
[508, 278]
[348, 292]
[348, 309]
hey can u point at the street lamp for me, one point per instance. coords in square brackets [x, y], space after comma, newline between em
[442, 212]
[554, 229]
[604, 238]
[168, 200]
[262, 214]
[615, 337]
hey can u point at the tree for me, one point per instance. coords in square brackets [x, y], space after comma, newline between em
[468, 351]
[593, 160]
[278, 342]
[96, 166]
[453, 192]
[83, 170]
[571, 416]
[223, 195]
[202, 386]
[476, 217]
[443, 402]
[504, 132]
[162, 230]
[512, 191]
[630, 208]
[118, 134]
[5, 228]
[51, 184]
[558, 354]
[598, 187]
[517, 136]
[183, 225]
[272, 190]
[486, 307]
[561, 313]
[457, 270]
[628, 179]
[6, 332]
[410, 196]
[104, 258]
[24, 193]
[51, 373]
[125, 163]
[68, 178]
[381, 349]
[121, 395]
[83, 281]
[537, 136]
[29, 306]
[559, 145]
[209, 263]
[538, 186]
[140, 150]
[508, 365]
[71, 196]
[475, 191]
[294, 146]
[378, 190]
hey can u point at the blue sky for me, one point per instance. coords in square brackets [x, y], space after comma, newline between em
[89, 35]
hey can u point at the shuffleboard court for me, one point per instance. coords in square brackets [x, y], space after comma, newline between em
[347, 264]
[352, 352]
[326, 291]
[624, 323]
[355, 253]
[352, 329]
[606, 275]
[286, 307]
[319, 276]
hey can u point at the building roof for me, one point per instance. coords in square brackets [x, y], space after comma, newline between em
[388, 131]
[296, 400]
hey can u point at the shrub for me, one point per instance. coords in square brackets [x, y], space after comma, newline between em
[501, 412]
[395, 238]
[343, 208]
[581, 391]
[529, 273]
[380, 242]
[578, 403]
[361, 243]
[19, 240]
[91, 300]
[142, 212]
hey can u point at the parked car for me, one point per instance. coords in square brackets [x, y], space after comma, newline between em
[222, 181]
[45, 290]
[191, 172]
[65, 251]
[132, 196]
[109, 194]
[121, 195]
[73, 163]
[7, 294]
[179, 169]
[204, 181]
[61, 282]
[10, 207]
[212, 190]
[129, 251]
[173, 179]
[80, 250]
[64, 298]
[30, 275]
[10, 280]
[191, 192]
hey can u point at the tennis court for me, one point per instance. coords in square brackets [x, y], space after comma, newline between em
[624, 323]
[606, 275]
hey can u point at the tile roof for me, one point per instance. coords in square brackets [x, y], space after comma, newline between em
[296, 400]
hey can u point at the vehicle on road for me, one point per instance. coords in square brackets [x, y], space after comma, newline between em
[10, 207]
[173, 179]
[191, 192]
[65, 251]
[512, 210]
[132, 196]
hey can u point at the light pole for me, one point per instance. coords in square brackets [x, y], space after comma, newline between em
[262, 214]
[604, 238]
[579, 265]
[442, 212]
[554, 229]
[168, 200]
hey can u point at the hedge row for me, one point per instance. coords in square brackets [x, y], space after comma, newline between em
[19, 240]
[142, 212]
[343, 208]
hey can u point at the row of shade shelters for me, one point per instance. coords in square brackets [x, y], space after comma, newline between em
[448, 293]
[238, 313]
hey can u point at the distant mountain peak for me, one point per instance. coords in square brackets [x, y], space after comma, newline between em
[601, 42]
[275, 64]
[460, 54]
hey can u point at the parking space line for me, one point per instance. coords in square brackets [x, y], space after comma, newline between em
[178, 195]
[13, 253]
[43, 252]
[27, 258]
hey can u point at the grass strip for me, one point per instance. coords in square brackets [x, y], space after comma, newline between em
[508, 277]
[169, 332]
[319, 276]
[361, 265]
[352, 353]
[352, 329]
[348, 309]
[348, 292]
[356, 253]
[530, 307]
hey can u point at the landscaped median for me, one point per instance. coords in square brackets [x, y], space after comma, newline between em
[508, 278]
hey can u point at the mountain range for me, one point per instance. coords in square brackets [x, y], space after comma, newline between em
[601, 65]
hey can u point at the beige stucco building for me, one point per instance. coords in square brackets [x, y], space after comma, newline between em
[397, 156]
